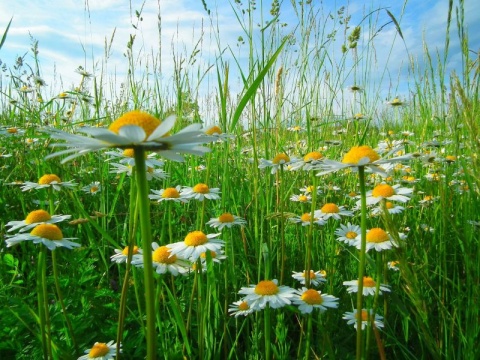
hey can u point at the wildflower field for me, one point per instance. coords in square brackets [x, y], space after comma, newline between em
[304, 216]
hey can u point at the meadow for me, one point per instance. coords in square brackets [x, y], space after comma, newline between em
[176, 225]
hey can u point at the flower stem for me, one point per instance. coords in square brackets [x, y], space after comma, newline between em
[146, 232]
[266, 321]
[41, 299]
[362, 255]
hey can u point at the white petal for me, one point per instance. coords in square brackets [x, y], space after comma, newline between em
[163, 128]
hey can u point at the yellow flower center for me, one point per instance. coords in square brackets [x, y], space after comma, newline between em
[305, 217]
[363, 315]
[428, 198]
[94, 189]
[195, 238]
[213, 130]
[312, 274]
[368, 281]
[213, 255]
[302, 198]
[312, 156]
[12, 130]
[377, 235]
[312, 297]
[352, 194]
[266, 287]
[98, 350]
[330, 208]
[357, 153]
[396, 102]
[129, 153]
[201, 189]
[351, 235]
[226, 218]
[170, 193]
[37, 216]
[139, 118]
[389, 205]
[125, 250]
[281, 159]
[383, 190]
[47, 231]
[309, 189]
[450, 158]
[243, 306]
[48, 179]
[162, 255]
[408, 178]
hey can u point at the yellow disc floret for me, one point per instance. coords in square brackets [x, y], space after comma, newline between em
[357, 153]
[214, 130]
[306, 217]
[47, 231]
[226, 218]
[139, 118]
[37, 216]
[330, 208]
[48, 179]
[195, 238]
[383, 190]
[129, 153]
[170, 193]
[312, 156]
[201, 188]
[266, 287]
[351, 235]
[98, 350]
[368, 281]
[162, 255]
[377, 235]
[281, 159]
[243, 306]
[312, 297]
[125, 250]
[363, 315]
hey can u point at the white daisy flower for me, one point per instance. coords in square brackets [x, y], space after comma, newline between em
[367, 318]
[308, 190]
[360, 156]
[169, 194]
[240, 307]
[377, 239]
[331, 210]
[302, 198]
[369, 286]
[121, 256]
[135, 129]
[216, 257]
[311, 161]
[305, 219]
[226, 220]
[48, 181]
[93, 188]
[316, 277]
[195, 244]
[391, 208]
[385, 191]
[393, 265]
[49, 235]
[267, 292]
[35, 218]
[281, 159]
[348, 233]
[201, 192]
[163, 261]
[309, 299]
[101, 351]
[216, 132]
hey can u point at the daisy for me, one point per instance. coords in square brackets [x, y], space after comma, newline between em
[348, 233]
[377, 239]
[195, 244]
[267, 292]
[240, 307]
[366, 316]
[331, 210]
[127, 157]
[121, 256]
[306, 219]
[48, 181]
[396, 102]
[369, 286]
[280, 160]
[393, 265]
[35, 218]
[226, 220]
[309, 299]
[316, 278]
[49, 235]
[216, 132]
[360, 156]
[391, 208]
[135, 129]
[215, 256]
[169, 194]
[307, 190]
[163, 261]
[101, 351]
[302, 198]
[93, 188]
[310, 161]
[385, 191]
[201, 192]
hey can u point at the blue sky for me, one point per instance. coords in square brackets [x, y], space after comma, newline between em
[70, 36]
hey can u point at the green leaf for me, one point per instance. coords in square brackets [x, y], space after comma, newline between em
[4, 37]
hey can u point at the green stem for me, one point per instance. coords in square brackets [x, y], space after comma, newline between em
[41, 299]
[362, 256]
[146, 232]
[266, 322]
[309, 336]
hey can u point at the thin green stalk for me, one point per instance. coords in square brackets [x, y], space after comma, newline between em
[144, 210]
[200, 310]
[267, 328]
[281, 224]
[41, 300]
[309, 336]
[362, 256]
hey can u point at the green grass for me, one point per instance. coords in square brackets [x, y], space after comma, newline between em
[431, 311]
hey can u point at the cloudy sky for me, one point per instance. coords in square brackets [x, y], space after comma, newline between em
[76, 33]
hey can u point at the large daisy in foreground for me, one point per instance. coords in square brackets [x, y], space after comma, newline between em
[49, 235]
[133, 130]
